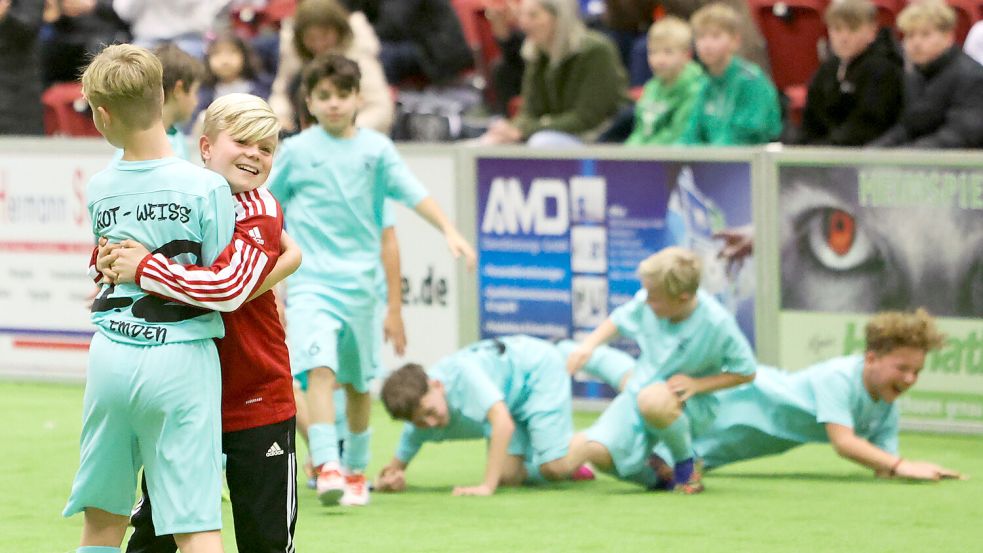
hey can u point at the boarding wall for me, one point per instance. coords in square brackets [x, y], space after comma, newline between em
[836, 235]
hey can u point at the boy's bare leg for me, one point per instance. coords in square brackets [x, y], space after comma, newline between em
[583, 451]
[359, 409]
[513, 471]
[199, 542]
[320, 395]
[102, 528]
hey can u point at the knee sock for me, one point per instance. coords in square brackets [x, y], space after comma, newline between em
[357, 451]
[97, 549]
[323, 440]
[677, 438]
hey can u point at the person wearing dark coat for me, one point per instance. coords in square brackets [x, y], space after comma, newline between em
[944, 91]
[20, 70]
[419, 37]
[855, 96]
[80, 30]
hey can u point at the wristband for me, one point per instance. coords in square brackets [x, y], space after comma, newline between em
[894, 467]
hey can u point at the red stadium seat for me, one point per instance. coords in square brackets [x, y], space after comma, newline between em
[61, 116]
[887, 11]
[795, 33]
[967, 13]
[249, 22]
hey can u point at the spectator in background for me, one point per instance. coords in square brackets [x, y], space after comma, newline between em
[857, 94]
[78, 29]
[506, 74]
[183, 22]
[626, 22]
[574, 82]
[752, 46]
[738, 104]
[231, 66]
[319, 27]
[667, 102]
[20, 70]
[944, 89]
[420, 38]
[973, 45]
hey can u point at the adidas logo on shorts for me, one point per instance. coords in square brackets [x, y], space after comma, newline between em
[274, 450]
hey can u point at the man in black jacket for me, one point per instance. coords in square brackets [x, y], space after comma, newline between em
[419, 37]
[20, 73]
[944, 91]
[856, 95]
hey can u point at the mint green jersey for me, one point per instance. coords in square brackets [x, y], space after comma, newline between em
[780, 410]
[525, 373]
[333, 194]
[175, 209]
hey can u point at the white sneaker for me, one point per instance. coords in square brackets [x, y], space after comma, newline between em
[330, 484]
[356, 491]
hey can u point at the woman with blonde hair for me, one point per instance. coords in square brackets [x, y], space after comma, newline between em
[574, 81]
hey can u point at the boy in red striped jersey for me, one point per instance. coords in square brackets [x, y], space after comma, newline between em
[258, 410]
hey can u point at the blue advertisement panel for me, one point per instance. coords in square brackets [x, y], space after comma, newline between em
[560, 239]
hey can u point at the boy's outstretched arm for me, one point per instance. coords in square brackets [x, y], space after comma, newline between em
[502, 428]
[392, 327]
[847, 444]
[286, 264]
[601, 335]
[430, 210]
[392, 477]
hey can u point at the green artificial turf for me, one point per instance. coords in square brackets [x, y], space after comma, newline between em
[806, 500]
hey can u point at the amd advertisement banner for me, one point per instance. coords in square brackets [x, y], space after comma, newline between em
[858, 240]
[560, 240]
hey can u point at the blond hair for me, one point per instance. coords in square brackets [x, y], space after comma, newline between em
[244, 117]
[568, 33]
[127, 81]
[890, 330]
[674, 270]
[718, 15]
[934, 13]
[670, 32]
[851, 13]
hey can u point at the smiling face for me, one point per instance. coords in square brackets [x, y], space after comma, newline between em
[245, 165]
[432, 412]
[888, 375]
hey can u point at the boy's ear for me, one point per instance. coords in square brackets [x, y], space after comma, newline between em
[205, 148]
[103, 115]
[436, 384]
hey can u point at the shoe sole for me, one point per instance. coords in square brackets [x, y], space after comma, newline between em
[330, 498]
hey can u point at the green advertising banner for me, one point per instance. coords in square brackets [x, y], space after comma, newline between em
[855, 240]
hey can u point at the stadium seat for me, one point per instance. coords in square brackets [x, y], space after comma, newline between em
[62, 113]
[967, 13]
[249, 22]
[887, 12]
[795, 33]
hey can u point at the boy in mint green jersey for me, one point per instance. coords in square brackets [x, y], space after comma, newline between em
[848, 402]
[153, 387]
[183, 74]
[737, 105]
[666, 105]
[513, 391]
[690, 348]
[333, 180]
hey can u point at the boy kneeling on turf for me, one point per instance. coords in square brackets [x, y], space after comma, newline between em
[516, 387]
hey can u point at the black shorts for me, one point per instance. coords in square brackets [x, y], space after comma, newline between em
[261, 470]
